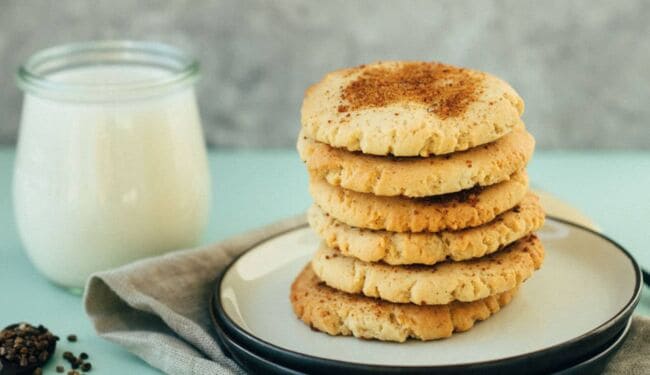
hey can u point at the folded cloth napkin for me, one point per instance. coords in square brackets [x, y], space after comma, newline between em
[157, 308]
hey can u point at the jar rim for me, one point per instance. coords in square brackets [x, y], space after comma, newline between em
[33, 76]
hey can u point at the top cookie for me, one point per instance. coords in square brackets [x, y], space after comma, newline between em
[409, 109]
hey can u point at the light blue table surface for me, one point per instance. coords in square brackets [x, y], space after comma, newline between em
[253, 188]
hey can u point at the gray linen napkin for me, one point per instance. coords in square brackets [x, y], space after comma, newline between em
[157, 308]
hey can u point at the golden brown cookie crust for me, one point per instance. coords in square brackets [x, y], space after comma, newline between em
[468, 208]
[337, 313]
[429, 248]
[440, 284]
[407, 108]
[418, 177]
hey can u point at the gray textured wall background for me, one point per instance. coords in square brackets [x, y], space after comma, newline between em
[583, 67]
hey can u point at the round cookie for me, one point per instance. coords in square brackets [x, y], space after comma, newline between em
[337, 313]
[467, 208]
[429, 248]
[407, 108]
[419, 177]
[440, 284]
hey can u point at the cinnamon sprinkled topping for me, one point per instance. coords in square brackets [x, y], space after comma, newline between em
[446, 90]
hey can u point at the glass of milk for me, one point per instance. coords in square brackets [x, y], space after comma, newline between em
[111, 163]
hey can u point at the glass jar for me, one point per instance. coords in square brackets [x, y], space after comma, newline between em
[111, 162]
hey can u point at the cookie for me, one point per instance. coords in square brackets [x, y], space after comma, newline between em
[467, 208]
[419, 177]
[406, 108]
[337, 313]
[429, 248]
[440, 284]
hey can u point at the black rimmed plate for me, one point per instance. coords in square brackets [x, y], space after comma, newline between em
[246, 358]
[596, 364]
[566, 313]
[258, 364]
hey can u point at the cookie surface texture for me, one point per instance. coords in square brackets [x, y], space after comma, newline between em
[468, 208]
[419, 177]
[440, 284]
[337, 313]
[406, 108]
[429, 248]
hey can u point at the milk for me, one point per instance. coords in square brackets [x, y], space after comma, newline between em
[100, 184]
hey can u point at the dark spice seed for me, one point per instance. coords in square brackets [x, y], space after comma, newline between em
[83, 355]
[72, 338]
[27, 347]
[86, 367]
[60, 369]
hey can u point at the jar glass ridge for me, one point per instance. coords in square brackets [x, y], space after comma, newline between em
[34, 76]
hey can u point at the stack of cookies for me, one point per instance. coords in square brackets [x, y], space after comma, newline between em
[421, 198]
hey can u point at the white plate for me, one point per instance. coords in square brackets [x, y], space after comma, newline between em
[587, 285]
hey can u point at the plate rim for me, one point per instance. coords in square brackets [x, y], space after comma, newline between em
[607, 352]
[226, 345]
[620, 317]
